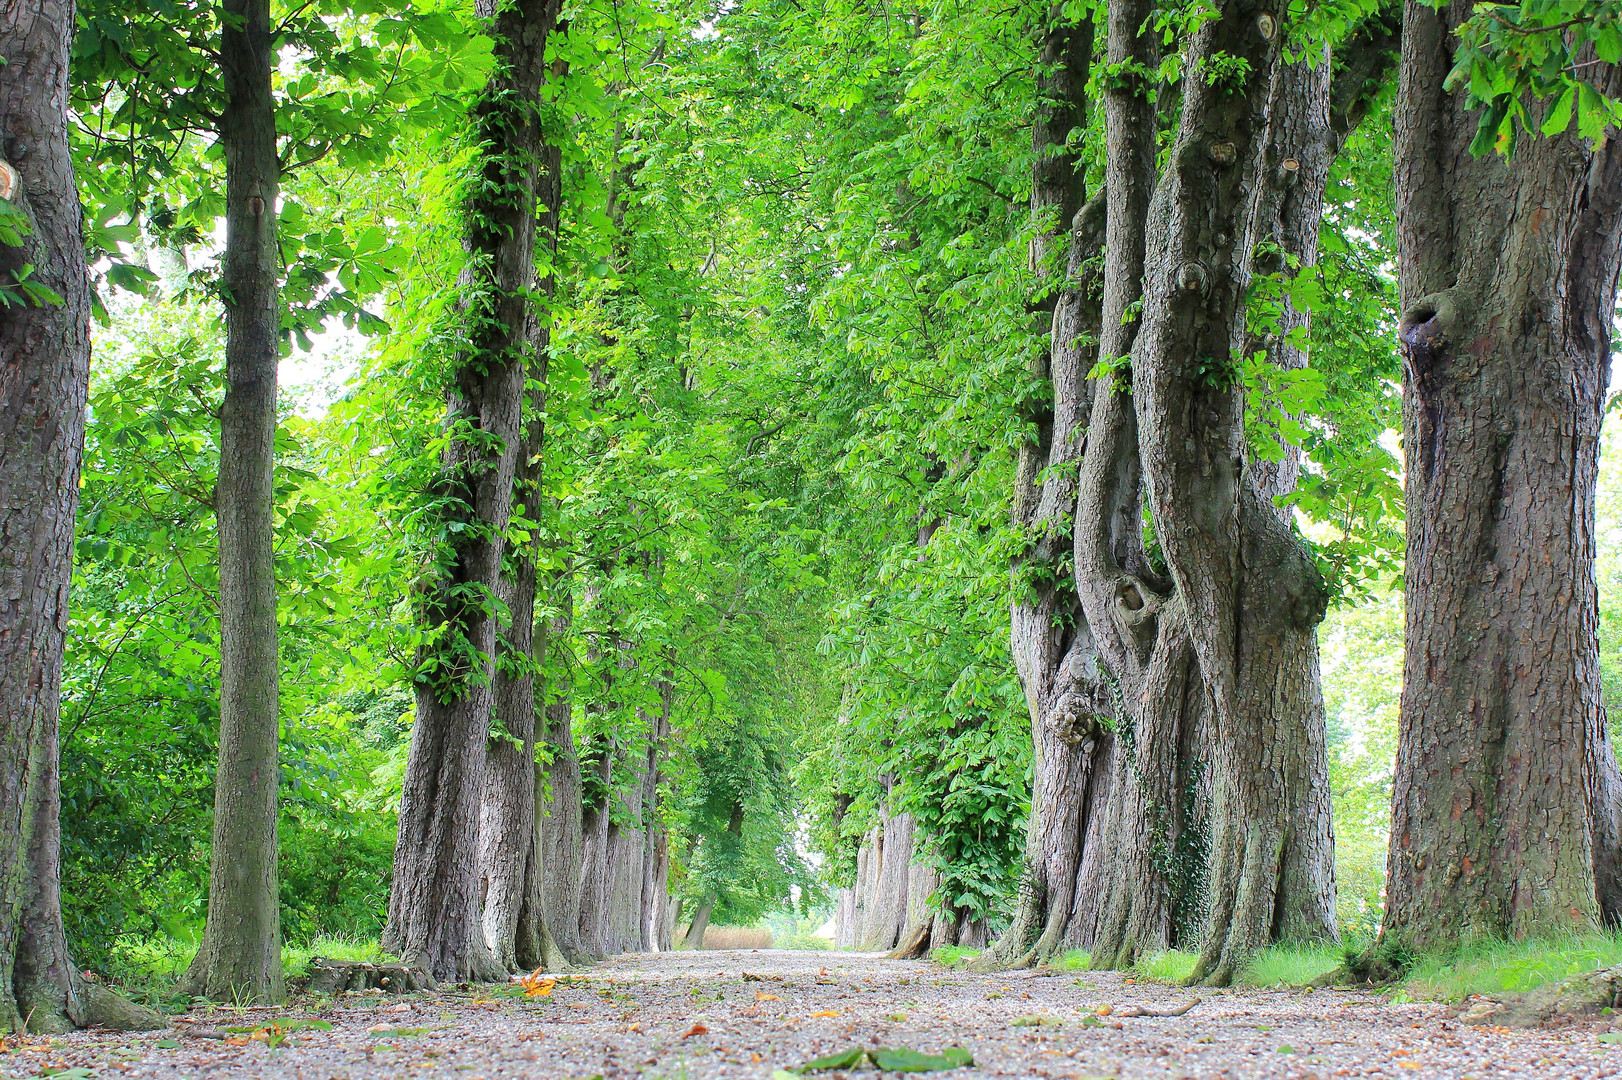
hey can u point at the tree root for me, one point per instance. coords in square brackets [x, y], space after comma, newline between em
[914, 944]
[99, 1007]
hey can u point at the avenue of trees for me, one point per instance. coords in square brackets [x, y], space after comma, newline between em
[518, 481]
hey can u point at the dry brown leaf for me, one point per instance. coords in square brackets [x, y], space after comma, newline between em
[537, 985]
[825, 1012]
[762, 996]
[696, 1029]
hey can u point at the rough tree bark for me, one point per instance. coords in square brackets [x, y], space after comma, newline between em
[1146, 875]
[44, 378]
[434, 919]
[1503, 812]
[507, 839]
[1252, 595]
[1051, 642]
[597, 769]
[557, 822]
[241, 953]
[655, 929]
[1156, 884]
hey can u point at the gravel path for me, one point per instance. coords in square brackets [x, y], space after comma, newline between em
[744, 1014]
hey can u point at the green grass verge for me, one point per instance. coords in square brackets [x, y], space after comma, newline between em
[1073, 960]
[1506, 967]
[1292, 965]
[953, 956]
[1170, 966]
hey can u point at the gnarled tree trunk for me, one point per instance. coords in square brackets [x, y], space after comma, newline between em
[1052, 644]
[434, 918]
[1251, 595]
[1502, 823]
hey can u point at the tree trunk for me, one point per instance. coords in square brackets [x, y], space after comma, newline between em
[434, 918]
[1252, 595]
[43, 384]
[700, 923]
[595, 895]
[558, 823]
[507, 837]
[1051, 643]
[241, 952]
[1508, 280]
[655, 935]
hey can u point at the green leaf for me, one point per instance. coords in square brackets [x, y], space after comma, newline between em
[901, 1059]
[1036, 1020]
[1558, 117]
[845, 1059]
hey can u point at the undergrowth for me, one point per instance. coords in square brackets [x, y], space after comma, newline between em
[150, 971]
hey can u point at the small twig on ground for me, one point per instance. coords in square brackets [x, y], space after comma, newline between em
[1139, 1010]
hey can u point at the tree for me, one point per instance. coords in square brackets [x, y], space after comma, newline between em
[516, 928]
[1504, 805]
[241, 952]
[44, 333]
[434, 906]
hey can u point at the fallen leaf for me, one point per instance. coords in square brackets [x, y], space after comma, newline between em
[237, 1040]
[845, 1059]
[826, 1012]
[696, 1029]
[1105, 1009]
[897, 1018]
[759, 996]
[1036, 1020]
[1611, 1037]
[755, 1058]
[168, 1044]
[904, 1060]
[536, 985]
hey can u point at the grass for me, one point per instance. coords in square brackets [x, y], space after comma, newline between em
[801, 941]
[1073, 960]
[953, 956]
[296, 958]
[1292, 965]
[1170, 966]
[1499, 967]
[733, 937]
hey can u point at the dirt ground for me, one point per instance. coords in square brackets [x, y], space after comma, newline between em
[746, 1014]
